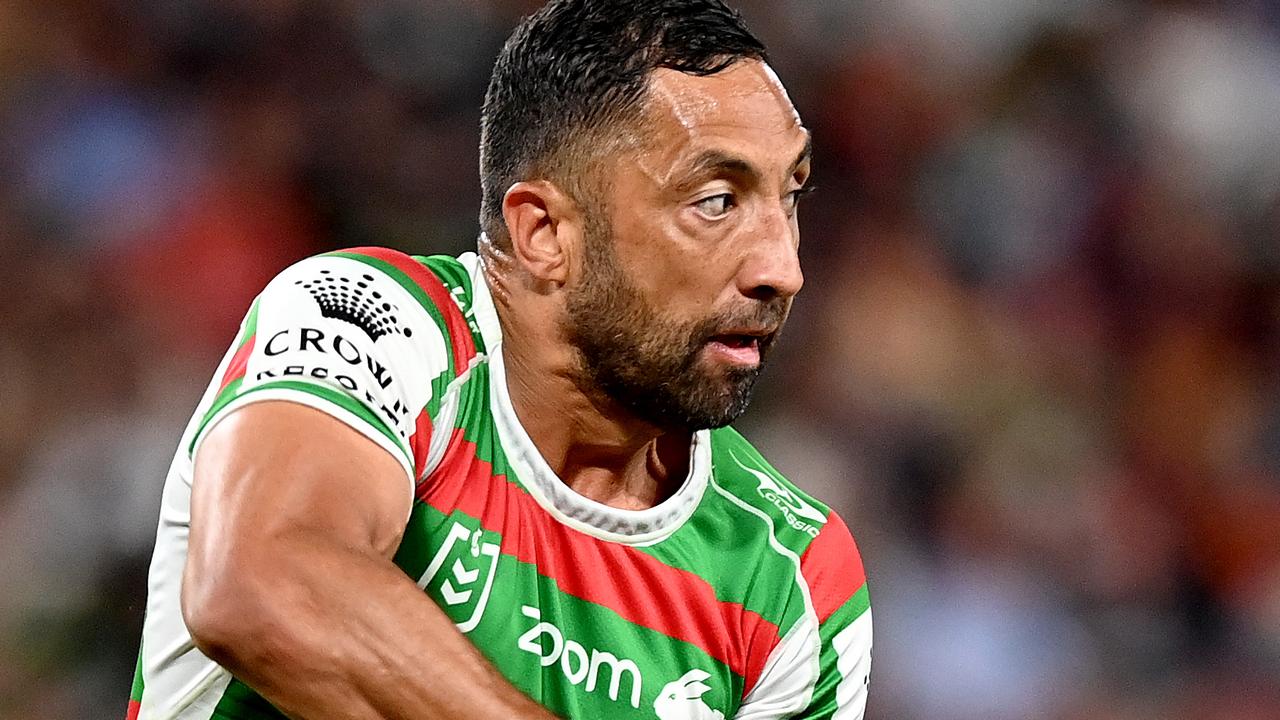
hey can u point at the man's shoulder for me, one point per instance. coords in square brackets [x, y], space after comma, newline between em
[429, 279]
[361, 285]
[802, 525]
[742, 475]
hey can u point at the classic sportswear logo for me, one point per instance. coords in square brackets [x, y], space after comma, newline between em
[794, 509]
[576, 663]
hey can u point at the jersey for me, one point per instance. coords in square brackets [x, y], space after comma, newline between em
[740, 596]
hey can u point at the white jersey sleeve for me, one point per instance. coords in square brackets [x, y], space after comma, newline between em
[372, 337]
[821, 670]
[351, 335]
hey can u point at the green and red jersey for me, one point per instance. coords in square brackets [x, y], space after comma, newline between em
[740, 596]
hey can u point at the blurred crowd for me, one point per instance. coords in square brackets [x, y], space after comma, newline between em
[1036, 363]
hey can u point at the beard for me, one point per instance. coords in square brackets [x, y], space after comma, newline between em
[648, 362]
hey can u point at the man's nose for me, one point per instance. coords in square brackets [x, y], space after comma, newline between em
[773, 267]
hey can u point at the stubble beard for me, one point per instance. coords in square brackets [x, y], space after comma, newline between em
[631, 353]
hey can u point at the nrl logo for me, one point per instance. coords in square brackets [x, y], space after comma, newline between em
[467, 584]
[798, 513]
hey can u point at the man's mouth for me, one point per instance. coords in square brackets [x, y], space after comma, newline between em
[739, 348]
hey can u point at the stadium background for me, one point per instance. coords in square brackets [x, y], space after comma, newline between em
[1035, 363]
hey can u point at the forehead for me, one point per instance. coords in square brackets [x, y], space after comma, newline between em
[744, 108]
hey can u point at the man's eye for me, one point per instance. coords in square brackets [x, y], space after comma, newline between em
[716, 205]
[793, 197]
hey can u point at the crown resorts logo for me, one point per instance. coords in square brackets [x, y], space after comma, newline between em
[355, 299]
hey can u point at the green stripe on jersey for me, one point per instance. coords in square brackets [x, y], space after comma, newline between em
[720, 543]
[228, 394]
[139, 686]
[241, 702]
[476, 423]
[249, 327]
[824, 693]
[730, 549]
[540, 637]
[742, 470]
[335, 397]
[439, 385]
[852, 608]
[452, 273]
[457, 280]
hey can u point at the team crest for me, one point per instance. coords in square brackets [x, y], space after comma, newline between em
[460, 576]
[682, 699]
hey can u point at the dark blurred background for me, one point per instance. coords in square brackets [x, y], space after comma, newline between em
[1035, 363]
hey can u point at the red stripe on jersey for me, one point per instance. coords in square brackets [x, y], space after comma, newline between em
[135, 707]
[464, 347]
[239, 362]
[420, 442]
[619, 577]
[833, 567]
[761, 637]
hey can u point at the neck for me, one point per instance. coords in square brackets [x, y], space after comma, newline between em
[596, 447]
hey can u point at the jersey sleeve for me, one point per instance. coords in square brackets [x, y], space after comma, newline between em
[360, 335]
[822, 669]
[837, 582]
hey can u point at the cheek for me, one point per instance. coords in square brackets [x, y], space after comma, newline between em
[684, 267]
[663, 274]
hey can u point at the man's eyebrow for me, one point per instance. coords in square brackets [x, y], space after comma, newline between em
[719, 162]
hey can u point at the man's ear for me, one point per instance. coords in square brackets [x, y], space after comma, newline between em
[545, 227]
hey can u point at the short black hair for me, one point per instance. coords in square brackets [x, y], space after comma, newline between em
[575, 70]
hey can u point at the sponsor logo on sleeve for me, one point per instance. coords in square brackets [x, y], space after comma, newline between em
[799, 514]
[345, 362]
[351, 298]
[342, 352]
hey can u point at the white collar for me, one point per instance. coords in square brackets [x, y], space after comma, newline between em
[632, 527]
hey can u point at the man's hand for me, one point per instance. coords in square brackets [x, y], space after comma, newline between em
[290, 586]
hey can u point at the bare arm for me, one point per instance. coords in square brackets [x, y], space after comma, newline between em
[290, 586]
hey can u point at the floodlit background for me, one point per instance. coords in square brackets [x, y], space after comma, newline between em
[1034, 365]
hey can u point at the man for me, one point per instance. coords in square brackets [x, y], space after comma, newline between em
[487, 487]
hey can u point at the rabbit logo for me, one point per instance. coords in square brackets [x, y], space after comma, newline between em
[682, 699]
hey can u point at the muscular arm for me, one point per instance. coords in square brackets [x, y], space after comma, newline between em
[290, 586]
